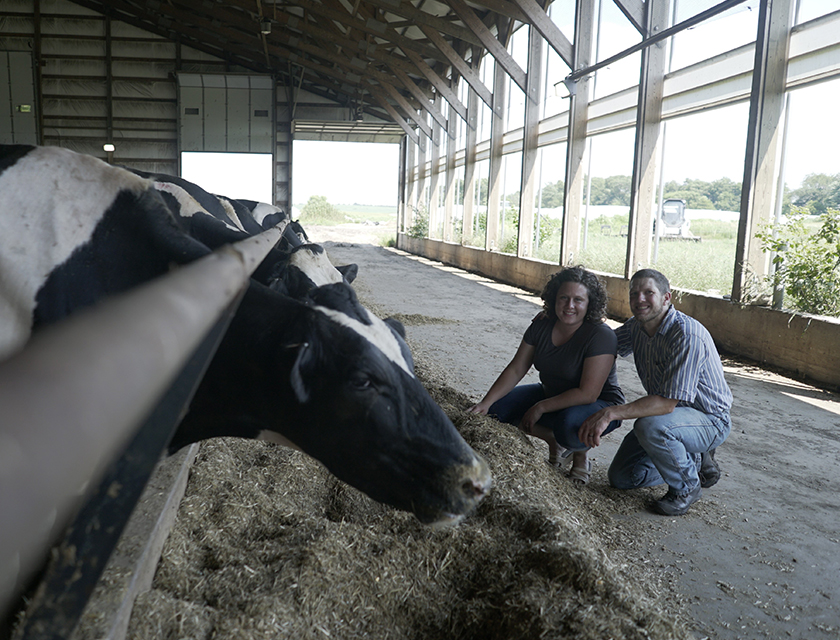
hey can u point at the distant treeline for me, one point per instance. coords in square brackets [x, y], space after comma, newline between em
[818, 192]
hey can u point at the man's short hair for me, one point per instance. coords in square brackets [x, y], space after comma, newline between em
[659, 278]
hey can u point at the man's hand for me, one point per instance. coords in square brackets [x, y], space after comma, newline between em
[592, 428]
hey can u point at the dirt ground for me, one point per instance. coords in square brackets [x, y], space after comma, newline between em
[759, 555]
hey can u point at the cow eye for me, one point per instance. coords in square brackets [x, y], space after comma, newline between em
[361, 381]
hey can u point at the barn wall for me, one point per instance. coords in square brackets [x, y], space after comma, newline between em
[807, 346]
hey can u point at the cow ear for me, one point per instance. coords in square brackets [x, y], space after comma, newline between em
[348, 272]
[304, 357]
[396, 325]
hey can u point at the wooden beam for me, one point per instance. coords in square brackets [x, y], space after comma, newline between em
[539, 19]
[459, 64]
[490, 42]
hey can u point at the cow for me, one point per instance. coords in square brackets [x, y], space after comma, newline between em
[319, 372]
[293, 268]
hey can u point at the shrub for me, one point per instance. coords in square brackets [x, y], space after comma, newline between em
[318, 211]
[807, 263]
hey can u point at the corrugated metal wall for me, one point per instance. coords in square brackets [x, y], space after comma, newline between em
[103, 81]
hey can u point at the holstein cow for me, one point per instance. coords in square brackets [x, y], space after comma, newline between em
[321, 373]
[294, 268]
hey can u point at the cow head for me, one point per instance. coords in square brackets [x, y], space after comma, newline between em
[338, 383]
[305, 267]
[385, 435]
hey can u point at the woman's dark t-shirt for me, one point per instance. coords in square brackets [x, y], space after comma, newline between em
[561, 367]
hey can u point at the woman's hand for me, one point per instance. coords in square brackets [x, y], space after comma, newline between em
[479, 408]
[531, 418]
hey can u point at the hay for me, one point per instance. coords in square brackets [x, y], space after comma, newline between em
[267, 544]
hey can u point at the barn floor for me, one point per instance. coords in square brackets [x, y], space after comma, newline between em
[759, 556]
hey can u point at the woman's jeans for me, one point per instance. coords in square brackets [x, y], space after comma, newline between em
[564, 423]
[666, 449]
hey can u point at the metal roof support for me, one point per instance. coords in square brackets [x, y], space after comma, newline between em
[657, 37]
[133, 347]
[494, 186]
[767, 102]
[648, 130]
[585, 27]
[530, 176]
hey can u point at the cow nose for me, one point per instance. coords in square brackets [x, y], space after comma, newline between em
[475, 489]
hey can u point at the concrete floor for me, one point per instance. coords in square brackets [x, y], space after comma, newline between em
[759, 556]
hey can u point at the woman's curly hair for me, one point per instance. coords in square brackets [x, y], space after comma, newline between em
[596, 311]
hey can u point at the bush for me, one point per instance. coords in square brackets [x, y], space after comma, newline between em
[807, 262]
[318, 211]
[420, 226]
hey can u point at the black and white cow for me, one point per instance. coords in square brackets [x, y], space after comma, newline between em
[293, 268]
[320, 373]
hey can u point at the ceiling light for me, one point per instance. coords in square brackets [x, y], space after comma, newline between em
[108, 148]
[265, 27]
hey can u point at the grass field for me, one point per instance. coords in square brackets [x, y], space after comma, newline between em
[707, 265]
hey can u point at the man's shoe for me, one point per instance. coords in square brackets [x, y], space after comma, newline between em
[675, 504]
[709, 470]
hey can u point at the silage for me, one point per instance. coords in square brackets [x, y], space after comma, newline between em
[268, 544]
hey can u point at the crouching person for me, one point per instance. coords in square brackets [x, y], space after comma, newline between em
[685, 415]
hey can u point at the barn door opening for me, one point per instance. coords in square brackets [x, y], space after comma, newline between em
[243, 176]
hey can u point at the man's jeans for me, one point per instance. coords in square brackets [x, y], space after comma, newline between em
[667, 449]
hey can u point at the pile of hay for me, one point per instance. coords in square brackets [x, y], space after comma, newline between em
[268, 544]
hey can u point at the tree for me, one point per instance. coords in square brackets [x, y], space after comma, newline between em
[318, 211]
[552, 194]
[818, 192]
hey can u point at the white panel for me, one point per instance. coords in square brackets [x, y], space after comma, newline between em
[238, 111]
[191, 119]
[215, 114]
[262, 121]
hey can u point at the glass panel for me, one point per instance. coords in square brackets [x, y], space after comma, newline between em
[615, 34]
[703, 166]
[509, 206]
[606, 200]
[548, 218]
[475, 236]
[810, 9]
[726, 31]
[812, 142]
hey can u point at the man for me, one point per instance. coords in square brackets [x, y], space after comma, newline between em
[685, 415]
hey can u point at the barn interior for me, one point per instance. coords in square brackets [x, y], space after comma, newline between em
[139, 83]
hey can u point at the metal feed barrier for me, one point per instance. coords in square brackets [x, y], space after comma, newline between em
[86, 410]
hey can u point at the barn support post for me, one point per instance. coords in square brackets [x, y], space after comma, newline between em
[62, 446]
[648, 130]
[576, 138]
[411, 182]
[406, 153]
[36, 51]
[420, 189]
[109, 85]
[494, 188]
[449, 188]
[469, 166]
[529, 183]
[434, 180]
[766, 124]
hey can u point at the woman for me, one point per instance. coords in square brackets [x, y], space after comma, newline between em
[574, 351]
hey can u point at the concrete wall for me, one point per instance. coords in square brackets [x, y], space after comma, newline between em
[803, 345]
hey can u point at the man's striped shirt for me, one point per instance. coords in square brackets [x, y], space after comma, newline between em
[679, 362]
